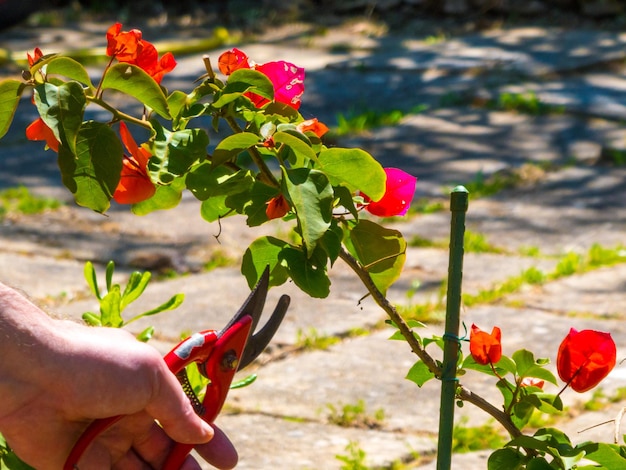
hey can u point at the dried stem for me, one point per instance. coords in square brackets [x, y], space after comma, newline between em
[618, 424]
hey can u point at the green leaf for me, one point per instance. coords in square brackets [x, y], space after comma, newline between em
[420, 373]
[133, 81]
[381, 251]
[173, 153]
[522, 412]
[69, 68]
[136, 285]
[146, 335]
[527, 366]
[109, 274]
[312, 197]
[354, 168]
[10, 94]
[91, 319]
[242, 81]
[176, 102]
[10, 461]
[91, 278]
[607, 455]
[92, 174]
[62, 108]
[253, 203]
[249, 380]
[165, 197]
[538, 463]
[174, 302]
[206, 181]
[331, 241]
[505, 459]
[309, 276]
[545, 402]
[346, 200]
[215, 208]
[110, 312]
[232, 146]
[301, 150]
[264, 252]
[504, 366]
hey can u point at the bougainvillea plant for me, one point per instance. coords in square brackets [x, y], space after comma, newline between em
[274, 165]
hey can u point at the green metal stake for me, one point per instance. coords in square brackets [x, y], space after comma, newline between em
[458, 206]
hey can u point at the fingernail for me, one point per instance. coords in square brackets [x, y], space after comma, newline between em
[207, 430]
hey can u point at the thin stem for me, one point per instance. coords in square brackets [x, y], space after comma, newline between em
[391, 311]
[99, 90]
[499, 415]
[462, 392]
[119, 115]
[265, 174]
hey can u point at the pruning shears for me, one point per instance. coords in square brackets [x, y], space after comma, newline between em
[218, 356]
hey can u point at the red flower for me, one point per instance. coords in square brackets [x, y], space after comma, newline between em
[484, 347]
[123, 45]
[37, 54]
[399, 191]
[232, 60]
[135, 185]
[149, 61]
[128, 47]
[277, 207]
[39, 130]
[287, 79]
[312, 125]
[585, 358]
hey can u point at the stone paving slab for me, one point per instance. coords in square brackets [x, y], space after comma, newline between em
[600, 94]
[570, 210]
[451, 146]
[531, 51]
[40, 277]
[312, 445]
[599, 293]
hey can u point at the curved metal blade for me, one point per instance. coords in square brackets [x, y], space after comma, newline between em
[253, 306]
[259, 341]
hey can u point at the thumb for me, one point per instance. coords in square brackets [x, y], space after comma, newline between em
[172, 409]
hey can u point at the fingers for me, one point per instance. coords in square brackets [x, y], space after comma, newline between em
[219, 452]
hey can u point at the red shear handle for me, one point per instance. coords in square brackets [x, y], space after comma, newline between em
[220, 369]
[93, 430]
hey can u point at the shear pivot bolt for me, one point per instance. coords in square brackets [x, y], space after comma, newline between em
[230, 361]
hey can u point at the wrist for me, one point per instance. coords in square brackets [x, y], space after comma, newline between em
[25, 335]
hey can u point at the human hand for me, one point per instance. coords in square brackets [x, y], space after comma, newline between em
[57, 376]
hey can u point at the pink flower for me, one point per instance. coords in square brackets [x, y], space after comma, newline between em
[287, 78]
[288, 81]
[398, 195]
